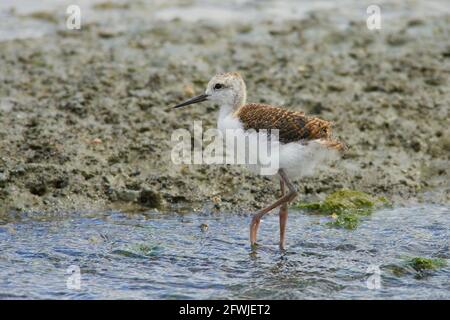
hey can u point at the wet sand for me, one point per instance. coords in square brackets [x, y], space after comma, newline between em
[86, 116]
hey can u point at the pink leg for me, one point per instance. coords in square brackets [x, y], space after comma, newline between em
[285, 199]
[283, 217]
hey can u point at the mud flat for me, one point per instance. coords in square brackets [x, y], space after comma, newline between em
[86, 118]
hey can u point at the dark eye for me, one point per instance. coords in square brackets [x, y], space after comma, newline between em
[218, 86]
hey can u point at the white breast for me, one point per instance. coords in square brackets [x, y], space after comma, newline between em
[228, 121]
[302, 160]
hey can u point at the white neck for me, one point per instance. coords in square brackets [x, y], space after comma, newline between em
[225, 110]
[226, 119]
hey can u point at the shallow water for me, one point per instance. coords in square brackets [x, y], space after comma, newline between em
[155, 255]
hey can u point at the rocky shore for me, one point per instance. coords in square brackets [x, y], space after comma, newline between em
[86, 118]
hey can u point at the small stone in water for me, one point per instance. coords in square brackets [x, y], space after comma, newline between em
[204, 227]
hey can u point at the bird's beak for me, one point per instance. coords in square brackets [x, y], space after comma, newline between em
[196, 99]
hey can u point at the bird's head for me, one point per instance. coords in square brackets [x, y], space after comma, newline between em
[226, 89]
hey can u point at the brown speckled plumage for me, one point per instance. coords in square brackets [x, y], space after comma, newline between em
[293, 126]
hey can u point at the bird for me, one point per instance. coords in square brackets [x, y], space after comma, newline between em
[304, 141]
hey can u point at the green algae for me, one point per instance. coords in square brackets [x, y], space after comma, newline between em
[141, 250]
[397, 270]
[346, 206]
[421, 264]
[344, 200]
[347, 221]
[420, 267]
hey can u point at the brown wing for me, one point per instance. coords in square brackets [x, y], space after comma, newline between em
[293, 126]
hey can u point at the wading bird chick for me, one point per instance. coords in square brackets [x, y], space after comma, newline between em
[304, 141]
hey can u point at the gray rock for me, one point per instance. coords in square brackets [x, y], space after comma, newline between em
[128, 195]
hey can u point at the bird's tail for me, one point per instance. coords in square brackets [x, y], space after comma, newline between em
[334, 144]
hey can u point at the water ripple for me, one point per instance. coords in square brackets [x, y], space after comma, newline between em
[168, 256]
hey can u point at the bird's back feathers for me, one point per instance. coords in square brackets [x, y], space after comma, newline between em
[293, 126]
